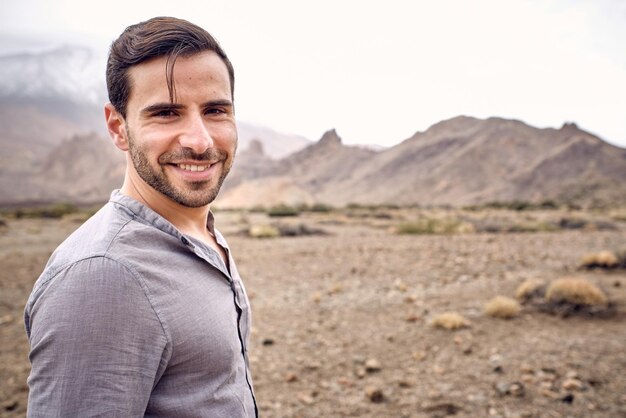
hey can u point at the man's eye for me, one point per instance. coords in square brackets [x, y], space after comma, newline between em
[164, 113]
[215, 111]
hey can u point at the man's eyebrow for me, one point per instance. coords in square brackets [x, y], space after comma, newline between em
[160, 107]
[214, 103]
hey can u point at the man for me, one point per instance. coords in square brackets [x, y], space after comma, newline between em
[141, 312]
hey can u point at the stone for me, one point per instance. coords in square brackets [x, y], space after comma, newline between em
[572, 384]
[517, 389]
[305, 398]
[374, 394]
[502, 388]
[372, 365]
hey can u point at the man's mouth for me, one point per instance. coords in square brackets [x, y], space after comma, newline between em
[194, 167]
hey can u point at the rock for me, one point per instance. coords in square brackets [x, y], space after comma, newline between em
[548, 393]
[448, 408]
[569, 398]
[291, 377]
[372, 365]
[6, 319]
[526, 368]
[514, 389]
[268, 341]
[572, 384]
[306, 398]
[412, 317]
[467, 349]
[502, 388]
[404, 384]
[374, 394]
[495, 360]
[10, 405]
[517, 389]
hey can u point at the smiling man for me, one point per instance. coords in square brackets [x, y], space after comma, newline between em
[141, 312]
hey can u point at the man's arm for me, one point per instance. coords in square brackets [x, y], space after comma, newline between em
[96, 343]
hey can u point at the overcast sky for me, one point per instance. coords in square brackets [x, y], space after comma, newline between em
[380, 71]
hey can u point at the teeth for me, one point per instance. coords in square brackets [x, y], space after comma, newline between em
[190, 167]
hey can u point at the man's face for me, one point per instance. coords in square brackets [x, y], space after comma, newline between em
[184, 149]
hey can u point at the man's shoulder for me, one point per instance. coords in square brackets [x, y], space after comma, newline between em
[92, 239]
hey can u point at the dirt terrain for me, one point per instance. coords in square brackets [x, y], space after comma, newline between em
[341, 321]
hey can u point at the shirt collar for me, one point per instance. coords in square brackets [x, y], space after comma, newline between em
[148, 216]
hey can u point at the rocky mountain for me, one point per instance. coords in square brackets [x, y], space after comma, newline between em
[460, 161]
[53, 148]
[298, 178]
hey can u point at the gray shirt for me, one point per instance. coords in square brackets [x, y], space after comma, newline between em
[131, 318]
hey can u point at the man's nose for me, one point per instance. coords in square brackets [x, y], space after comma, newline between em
[196, 135]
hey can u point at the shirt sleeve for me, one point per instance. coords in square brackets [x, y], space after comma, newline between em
[97, 344]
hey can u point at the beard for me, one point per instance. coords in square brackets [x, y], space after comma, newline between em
[192, 194]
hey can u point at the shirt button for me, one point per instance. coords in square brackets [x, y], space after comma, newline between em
[185, 240]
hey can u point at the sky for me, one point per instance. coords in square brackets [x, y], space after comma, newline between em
[378, 71]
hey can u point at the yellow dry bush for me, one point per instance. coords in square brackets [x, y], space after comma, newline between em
[529, 289]
[263, 231]
[602, 259]
[502, 307]
[575, 291]
[450, 320]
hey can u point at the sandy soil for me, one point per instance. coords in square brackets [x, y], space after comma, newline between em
[341, 321]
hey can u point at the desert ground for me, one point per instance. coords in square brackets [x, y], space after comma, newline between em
[343, 311]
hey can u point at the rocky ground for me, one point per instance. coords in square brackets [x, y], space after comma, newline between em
[342, 320]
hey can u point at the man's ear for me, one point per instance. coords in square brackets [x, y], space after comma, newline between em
[116, 126]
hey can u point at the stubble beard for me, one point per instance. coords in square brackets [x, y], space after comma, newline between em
[197, 194]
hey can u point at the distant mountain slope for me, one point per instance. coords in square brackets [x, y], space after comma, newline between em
[466, 160]
[298, 178]
[459, 161]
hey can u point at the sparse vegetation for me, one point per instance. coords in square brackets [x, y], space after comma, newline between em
[435, 226]
[450, 321]
[517, 205]
[52, 211]
[530, 289]
[263, 231]
[576, 292]
[289, 230]
[282, 211]
[316, 207]
[502, 307]
[602, 259]
[282, 230]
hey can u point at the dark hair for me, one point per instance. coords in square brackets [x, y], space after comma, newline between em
[157, 37]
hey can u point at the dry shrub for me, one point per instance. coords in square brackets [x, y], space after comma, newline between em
[602, 259]
[530, 289]
[289, 230]
[502, 307]
[576, 292]
[450, 321]
[263, 231]
[427, 226]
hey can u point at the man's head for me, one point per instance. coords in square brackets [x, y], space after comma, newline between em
[176, 122]
[158, 37]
